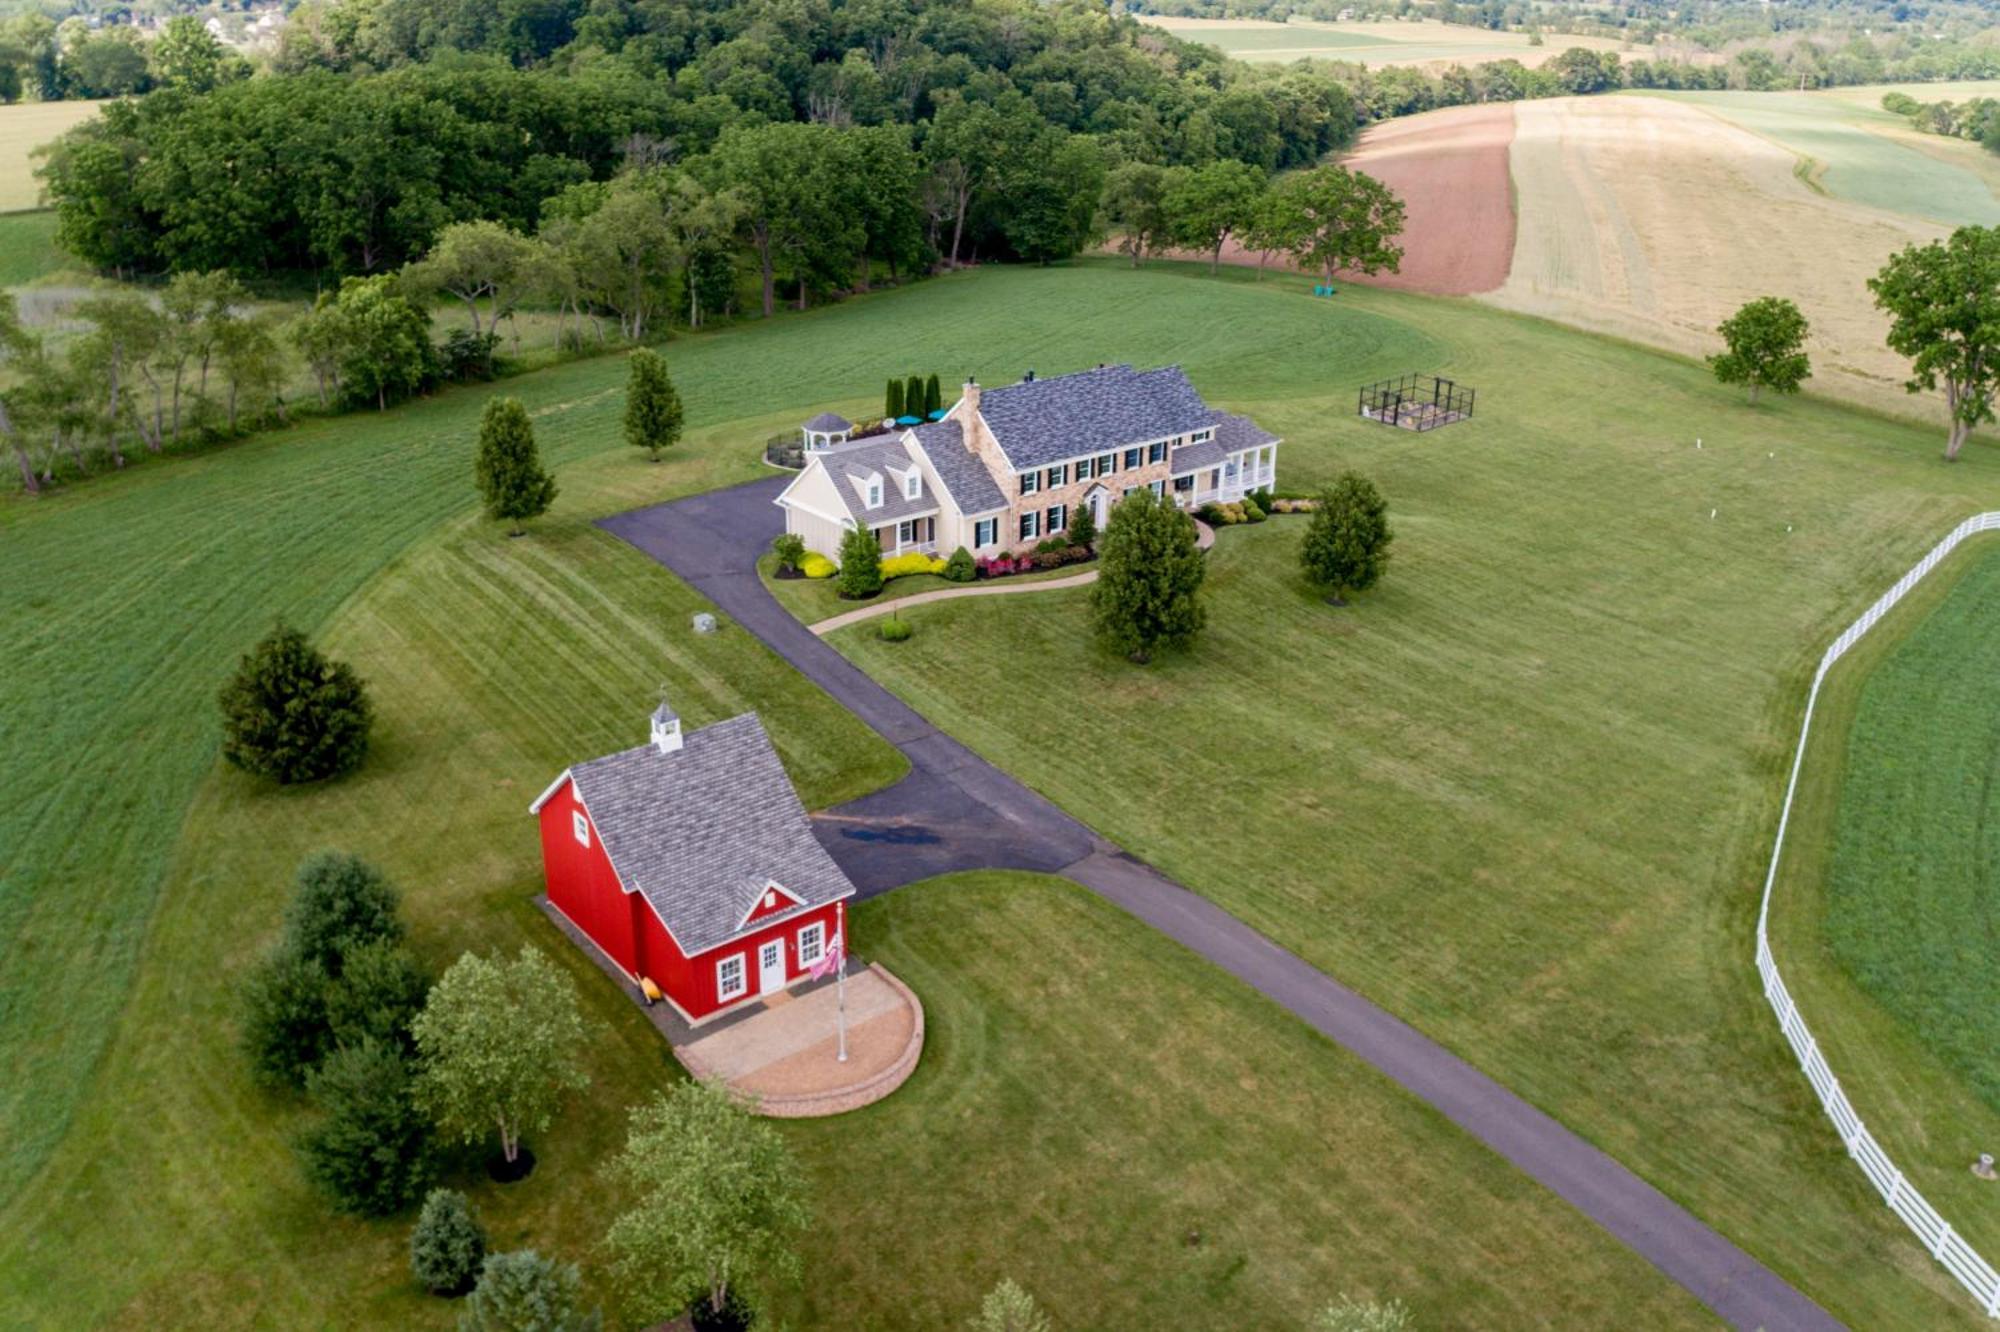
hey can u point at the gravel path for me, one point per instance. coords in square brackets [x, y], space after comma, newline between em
[955, 811]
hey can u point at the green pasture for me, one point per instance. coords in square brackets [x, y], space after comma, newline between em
[1864, 155]
[1296, 40]
[1518, 796]
[1914, 901]
[28, 247]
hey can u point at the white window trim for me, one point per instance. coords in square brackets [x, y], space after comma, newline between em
[579, 827]
[722, 990]
[1201, 436]
[874, 494]
[1060, 521]
[979, 526]
[1031, 482]
[1031, 525]
[913, 485]
[1159, 488]
[816, 932]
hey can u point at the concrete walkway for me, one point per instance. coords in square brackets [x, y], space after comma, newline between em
[955, 811]
[1204, 537]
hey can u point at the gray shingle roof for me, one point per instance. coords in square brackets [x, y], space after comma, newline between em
[828, 421]
[701, 830]
[1043, 421]
[851, 461]
[959, 470]
[1232, 434]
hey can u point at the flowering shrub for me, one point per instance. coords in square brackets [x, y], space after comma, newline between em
[898, 565]
[816, 565]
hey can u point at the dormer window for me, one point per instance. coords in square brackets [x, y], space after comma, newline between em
[875, 493]
[1201, 436]
[913, 485]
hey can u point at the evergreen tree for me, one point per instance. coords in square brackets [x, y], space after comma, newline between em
[1082, 525]
[1150, 568]
[285, 1029]
[446, 1245]
[1346, 545]
[892, 399]
[860, 565]
[1009, 1308]
[370, 1151]
[381, 990]
[913, 396]
[652, 406]
[933, 395]
[340, 903]
[509, 470]
[292, 715]
[525, 1292]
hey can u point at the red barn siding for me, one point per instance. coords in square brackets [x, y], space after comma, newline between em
[582, 884]
[585, 888]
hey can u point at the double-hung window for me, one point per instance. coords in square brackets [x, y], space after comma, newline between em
[906, 532]
[1156, 452]
[1132, 457]
[1107, 464]
[812, 943]
[875, 494]
[1058, 475]
[913, 484]
[1030, 482]
[1159, 487]
[1058, 518]
[730, 978]
[1031, 525]
[986, 532]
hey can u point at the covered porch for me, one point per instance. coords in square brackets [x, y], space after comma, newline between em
[1234, 477]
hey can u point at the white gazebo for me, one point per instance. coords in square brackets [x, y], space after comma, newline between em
[824, 431]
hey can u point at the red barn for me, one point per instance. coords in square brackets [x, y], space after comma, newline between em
[690, 862]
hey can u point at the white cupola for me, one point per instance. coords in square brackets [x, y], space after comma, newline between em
[666, 729]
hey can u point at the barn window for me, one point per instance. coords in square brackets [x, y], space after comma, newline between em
[812, 943]
[580, 826]
[729, 980]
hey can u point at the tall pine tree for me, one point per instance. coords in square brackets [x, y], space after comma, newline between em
[652, 406]
[509, 470]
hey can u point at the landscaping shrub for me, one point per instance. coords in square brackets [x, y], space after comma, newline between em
[895, 630]
[790, 548]
[1346, 544]
[1252, 513]
[291, 715]
[960, 568]
[933, 396]
[860, 565]
[653, 413]
[1055, 558]
[508, 467]
[1047, 544]
[1212, 514]
[1261, 497]
[370, 1152]
[340, 903]
[467, 357]
[913, 396]
[898, 566]
[1082, 527]
[816, 565]
[892, 399]
[446, 1246]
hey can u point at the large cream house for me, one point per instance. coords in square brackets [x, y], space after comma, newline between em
[1005, 468]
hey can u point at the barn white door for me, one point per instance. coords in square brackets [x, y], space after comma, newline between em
[771, 967]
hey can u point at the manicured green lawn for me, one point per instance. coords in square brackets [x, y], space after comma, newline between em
[816, 599]
[1519, 795]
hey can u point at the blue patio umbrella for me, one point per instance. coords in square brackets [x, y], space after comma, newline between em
[909, 420]
[937, 415]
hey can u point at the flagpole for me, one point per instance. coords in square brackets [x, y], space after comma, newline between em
[840, 979]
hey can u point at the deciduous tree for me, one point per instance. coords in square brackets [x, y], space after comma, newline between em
[1206, 206]
[1341, 219]
[509, 467]
[1765, 343]
[1134, 205]
[499, 1043]
[1943, 302]
[720, 1204]
[1150, 571]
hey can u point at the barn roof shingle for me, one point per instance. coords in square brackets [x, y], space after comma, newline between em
[701, 830]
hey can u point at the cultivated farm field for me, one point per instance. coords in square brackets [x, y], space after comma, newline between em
[1424, 43]
[24, 127]
[150, 1184]
[1653, 217]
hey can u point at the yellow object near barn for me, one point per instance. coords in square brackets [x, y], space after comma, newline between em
[650, 990]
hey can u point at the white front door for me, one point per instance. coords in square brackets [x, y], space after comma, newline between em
[771, 967]
[1097, 502]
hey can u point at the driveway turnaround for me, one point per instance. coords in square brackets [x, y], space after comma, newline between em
[955, 811]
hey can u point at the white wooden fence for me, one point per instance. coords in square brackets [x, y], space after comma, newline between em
[1973, 1272]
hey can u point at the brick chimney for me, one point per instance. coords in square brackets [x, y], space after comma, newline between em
[968, 415]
